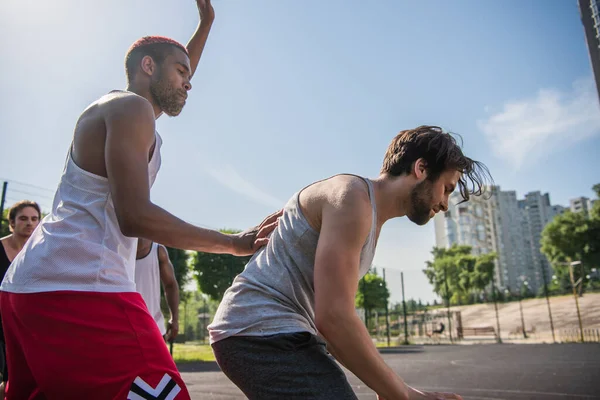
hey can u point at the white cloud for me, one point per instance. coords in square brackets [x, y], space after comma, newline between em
[530, 128]
[227, 176]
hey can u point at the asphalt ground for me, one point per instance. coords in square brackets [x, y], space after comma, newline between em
[477, 372]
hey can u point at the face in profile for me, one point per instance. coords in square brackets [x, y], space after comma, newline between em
[170, 83]
[25, 222]
[428, 198]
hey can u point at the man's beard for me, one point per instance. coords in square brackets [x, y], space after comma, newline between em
[166, 96]
[420, 202]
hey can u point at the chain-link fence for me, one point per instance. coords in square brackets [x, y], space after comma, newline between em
[413, 314]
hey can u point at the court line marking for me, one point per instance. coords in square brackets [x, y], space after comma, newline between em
[459, 390]
[572, 364]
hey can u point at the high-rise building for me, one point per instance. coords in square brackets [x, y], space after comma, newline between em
[509, 241]
[536, 212]
[590, 17]
[581, 204]
[502, 224]
[558, 210]
[487, 225]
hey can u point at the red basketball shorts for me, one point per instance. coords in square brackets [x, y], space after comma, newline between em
[86, 345]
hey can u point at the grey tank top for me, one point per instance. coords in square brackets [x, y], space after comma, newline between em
[275, 293]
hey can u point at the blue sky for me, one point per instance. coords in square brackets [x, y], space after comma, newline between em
[289, 92]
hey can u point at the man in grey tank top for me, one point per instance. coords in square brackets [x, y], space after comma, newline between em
[296, 295]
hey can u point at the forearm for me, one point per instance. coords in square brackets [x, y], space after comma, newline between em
[351, 345]
[172, 296]
[156, 224]
[196, 44]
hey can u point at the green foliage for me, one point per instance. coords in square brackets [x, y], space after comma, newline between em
[372, 293]
[526, 292]
[179, 259]
[411, 306]
[195, 313]
[463, 274]
[4, 230]
[215, 272]
[573, 237]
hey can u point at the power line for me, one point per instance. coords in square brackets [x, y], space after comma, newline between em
[12, 200]
[30, 194]
[27, 184]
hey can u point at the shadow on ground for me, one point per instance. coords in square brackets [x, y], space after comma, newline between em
[198, 366]
[401, 349]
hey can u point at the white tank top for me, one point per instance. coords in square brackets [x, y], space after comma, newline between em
[147, 283]
[79, 245]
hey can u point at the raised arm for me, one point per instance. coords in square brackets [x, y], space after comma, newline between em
[198, 40]
[344, 230]
[169, 282]
[129, 139]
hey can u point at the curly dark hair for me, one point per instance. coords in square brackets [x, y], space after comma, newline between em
[441, 152]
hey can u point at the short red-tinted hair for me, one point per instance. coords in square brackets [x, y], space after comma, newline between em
[157, 47]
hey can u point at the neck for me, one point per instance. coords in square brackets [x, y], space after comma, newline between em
[136, 88]
[392, 197]
[17, 241]
[144, 247]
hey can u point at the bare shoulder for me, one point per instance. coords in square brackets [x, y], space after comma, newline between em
[346, 192]
[115, 104]
[125, 103]
[340, 195]
[163, 254]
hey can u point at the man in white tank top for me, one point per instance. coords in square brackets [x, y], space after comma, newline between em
[153, 267]
[75, 327]
[297, 293]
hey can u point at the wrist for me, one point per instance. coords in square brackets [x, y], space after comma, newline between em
[232, 243]
[206, 23]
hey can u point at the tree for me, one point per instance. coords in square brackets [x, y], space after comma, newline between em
[573, 237]
[372, 293]
[4, 230]
[463, 274]
[179, 259]
[215, 272]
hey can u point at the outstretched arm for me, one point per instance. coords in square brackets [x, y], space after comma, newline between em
[196, 44]
[129, 138]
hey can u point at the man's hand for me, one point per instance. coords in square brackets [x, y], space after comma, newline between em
[206, 10]
[415, 394]
[248, 242]
[172, 330]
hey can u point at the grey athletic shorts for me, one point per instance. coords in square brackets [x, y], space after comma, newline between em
[283, 366]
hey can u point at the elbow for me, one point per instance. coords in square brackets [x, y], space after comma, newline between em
[128, 227]
[326, 324]
[130, 222]
[171, 288]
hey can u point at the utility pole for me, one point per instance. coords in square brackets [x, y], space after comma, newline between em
[404, 310]
[448, 304]
[548, 302]
[574, 284]
[4, 188]
[495, 293]
[387, 316]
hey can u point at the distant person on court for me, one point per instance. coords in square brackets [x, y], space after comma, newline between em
[295, 297]
[23, 218]
[153, 266]
[75, 326]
